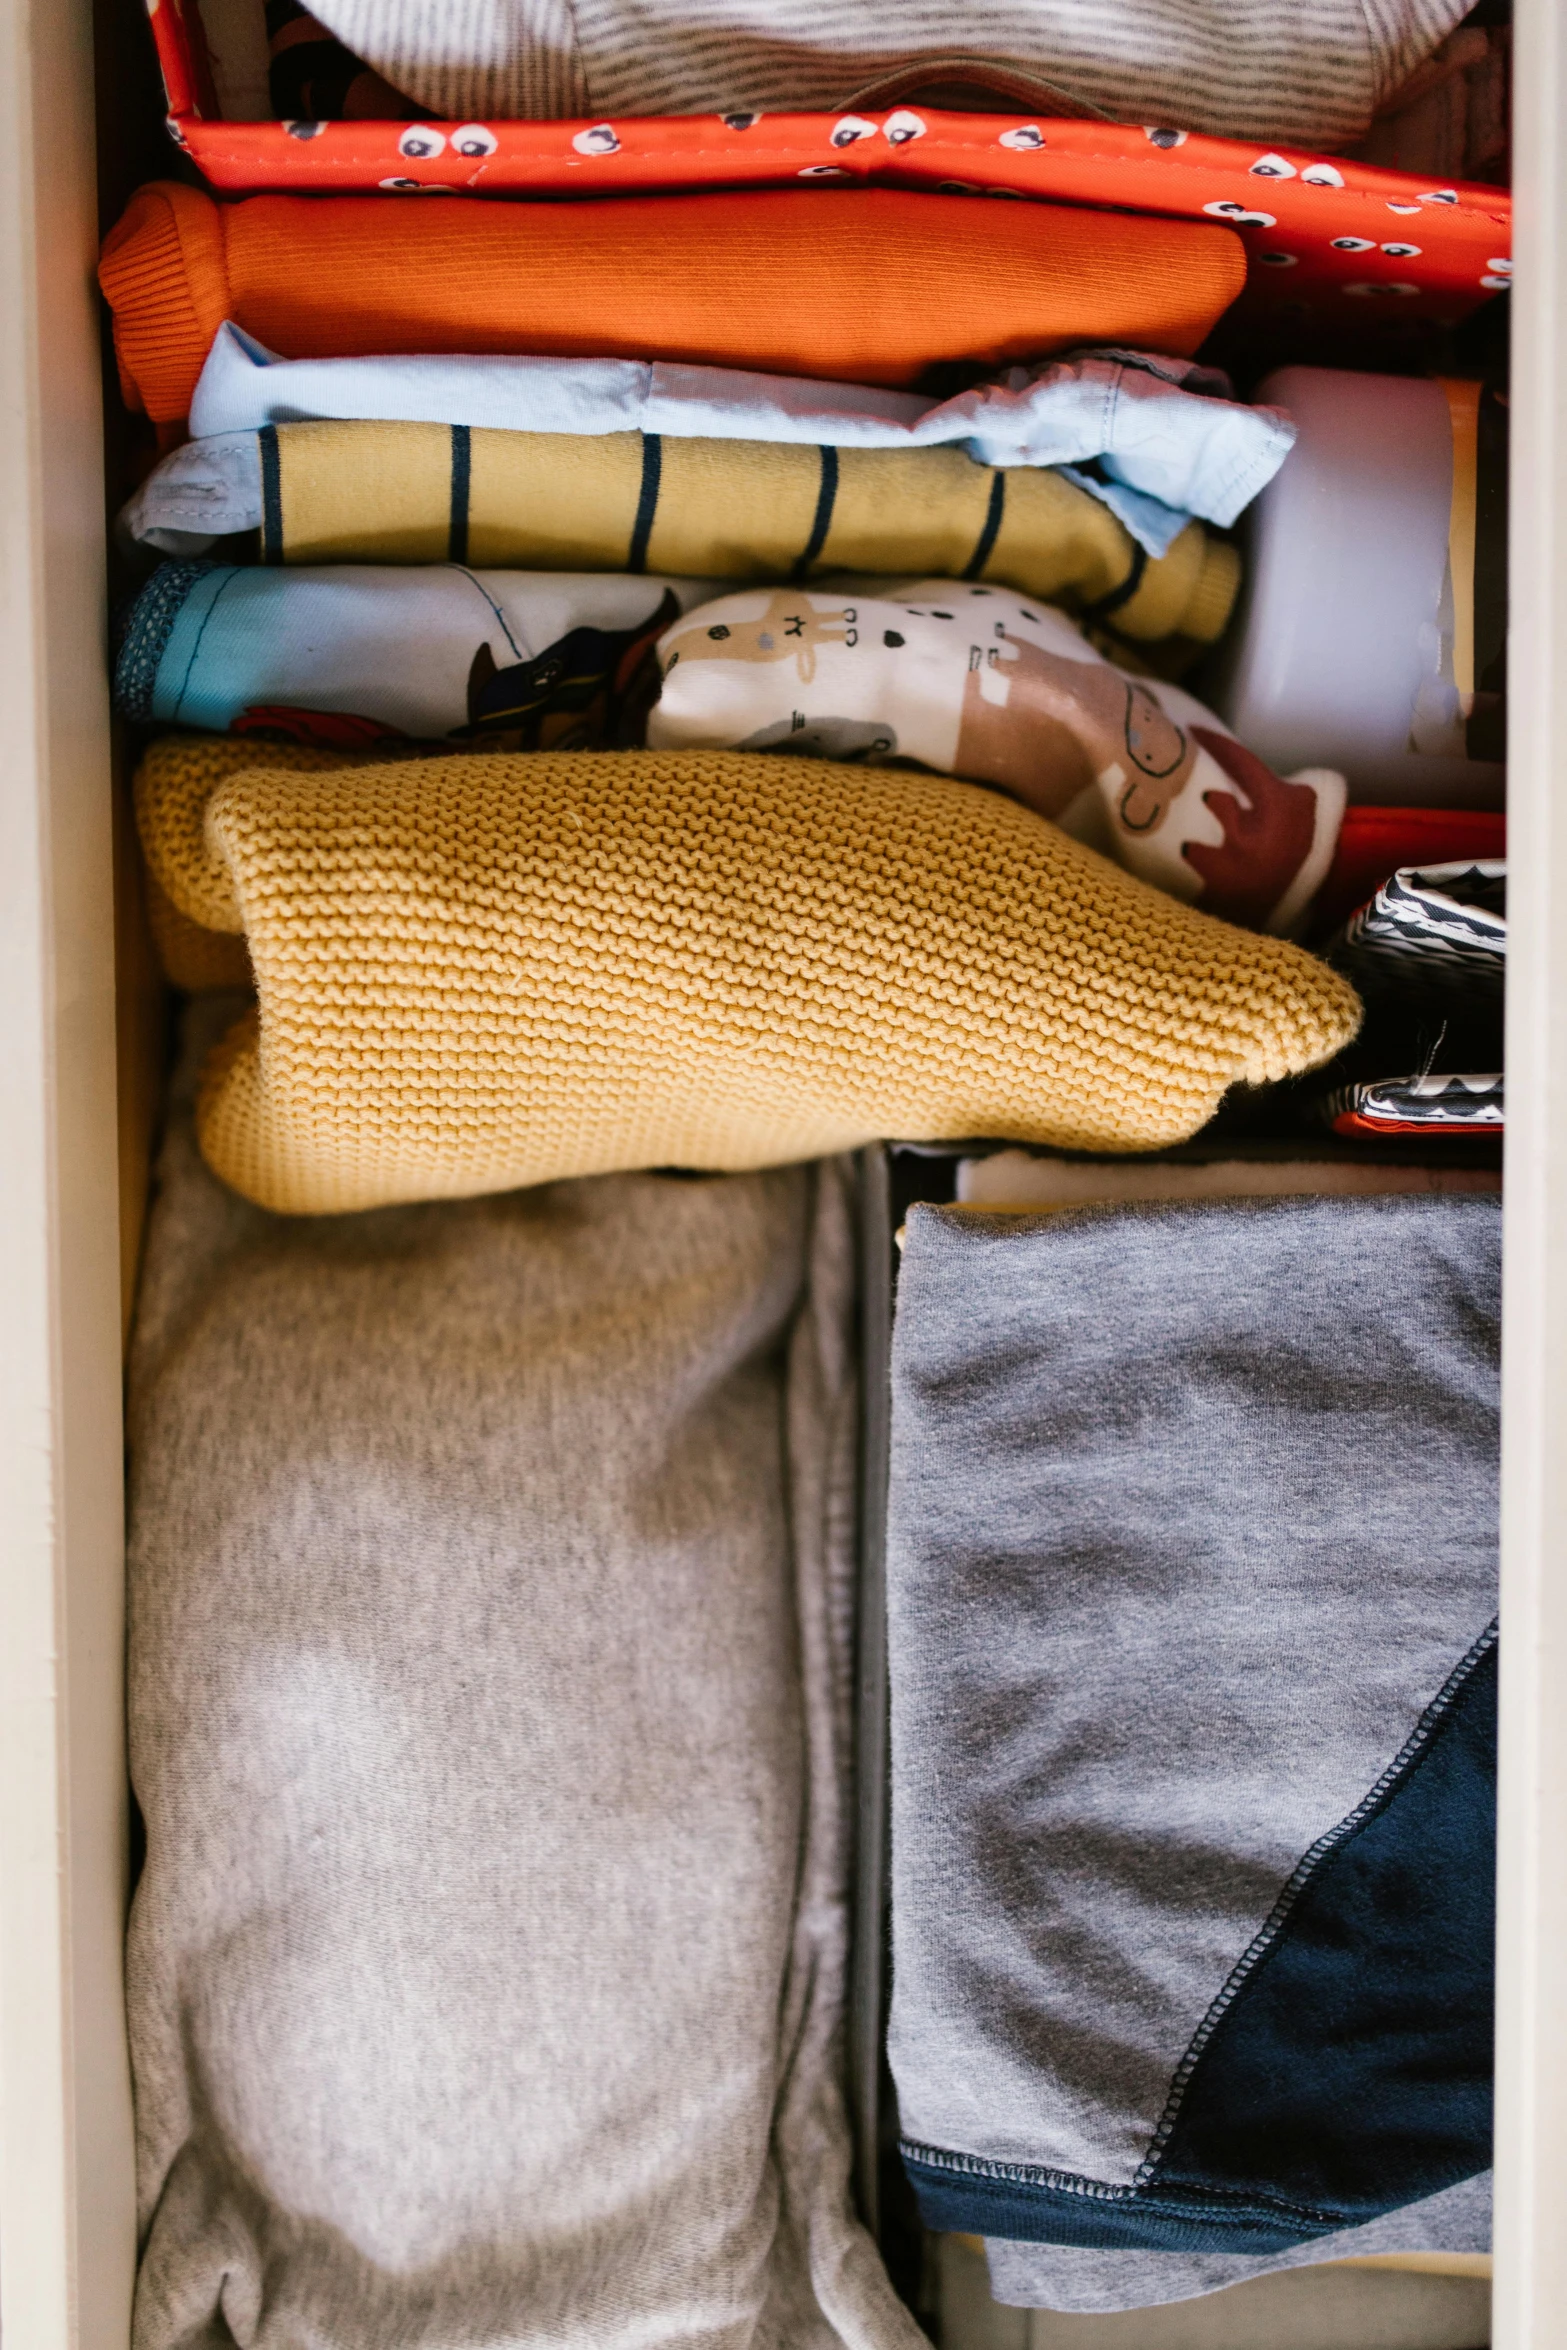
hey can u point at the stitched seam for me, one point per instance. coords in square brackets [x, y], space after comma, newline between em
[1373, 1802]
[1185, 2204]
[179, 700]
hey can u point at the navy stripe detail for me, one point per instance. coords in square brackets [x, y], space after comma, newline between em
[271, 496]
[987, 537]
[462, 468]
[1121, 595]
[826, 499]
[647, 502]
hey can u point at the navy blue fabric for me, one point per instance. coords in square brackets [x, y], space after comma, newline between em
[992, 2202]
[1350, 2071]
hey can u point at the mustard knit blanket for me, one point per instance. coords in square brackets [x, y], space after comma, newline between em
[481, 973]
[712, 509]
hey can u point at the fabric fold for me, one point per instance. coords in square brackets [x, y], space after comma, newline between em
[721, 509]
[974, 682]
[1165, 440]
[478, 973]
[488, 1594]
[1193, 1717]
[873, 285]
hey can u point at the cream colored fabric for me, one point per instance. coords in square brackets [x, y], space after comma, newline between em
[475, 974]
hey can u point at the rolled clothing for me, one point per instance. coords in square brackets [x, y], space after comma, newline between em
[488, 1584]
[355, 655]
[1164, 439]
[175, 777]
[631, 501]
[975, 682]
[871, 285]
[1307, 77]
[1193, 1717]
[479, 973]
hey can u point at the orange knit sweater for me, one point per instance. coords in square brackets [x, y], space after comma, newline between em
[866, 285]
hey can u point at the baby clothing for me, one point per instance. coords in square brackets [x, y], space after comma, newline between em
[1193, 1716]
[358, 654]
[1158, 440]
[427, 493]
[1423, 1106]
[979, 683]
[478, 973]
[872, 285]
[1432, 933]
[1308, 77]
[489, 1572]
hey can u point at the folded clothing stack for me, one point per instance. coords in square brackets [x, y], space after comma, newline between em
[1156, 439]
[1429, 954]
[488, 1588]
[876, 285]
[1192, 1926]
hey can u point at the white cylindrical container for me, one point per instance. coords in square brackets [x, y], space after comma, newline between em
[1363, 640]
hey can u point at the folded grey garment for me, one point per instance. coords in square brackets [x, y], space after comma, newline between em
[1191, 1593]
[489, 1573]
[1309, 75]
[1077, 2278]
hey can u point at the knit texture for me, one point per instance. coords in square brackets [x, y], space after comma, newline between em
[721, 509]
[475, 974]
[1271, 70]
[175, 778]
[872, 285]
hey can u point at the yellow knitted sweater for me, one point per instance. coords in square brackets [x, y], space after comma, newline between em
[480, 973]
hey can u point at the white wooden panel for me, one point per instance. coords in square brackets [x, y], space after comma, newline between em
[1531, 2113]
[66, 2213]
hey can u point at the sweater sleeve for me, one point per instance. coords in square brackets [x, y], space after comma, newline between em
[164, 274]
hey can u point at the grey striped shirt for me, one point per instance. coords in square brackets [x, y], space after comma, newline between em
[1302, 72]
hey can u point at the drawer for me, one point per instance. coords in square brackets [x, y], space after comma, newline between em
[79, 1046]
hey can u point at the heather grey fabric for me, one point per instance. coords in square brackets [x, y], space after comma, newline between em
[1192, 1513]
[1304, 76]
[1075, 2277]
[488, 1704]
